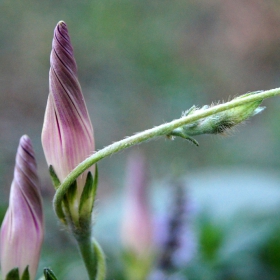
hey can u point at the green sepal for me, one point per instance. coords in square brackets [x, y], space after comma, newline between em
[55, 180]
[88, 198]
[13, 274]
[69, 201]
[72, 193]
[25, 275]
[180, 132]
[49, 275]
[56, 184]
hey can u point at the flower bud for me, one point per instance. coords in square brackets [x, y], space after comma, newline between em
[137, 228]
[22, 229]
[67, 135]
[220, 122]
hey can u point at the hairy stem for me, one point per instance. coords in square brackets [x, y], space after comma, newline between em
[163, 129]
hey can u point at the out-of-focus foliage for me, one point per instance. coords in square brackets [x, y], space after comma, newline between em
[141, 63]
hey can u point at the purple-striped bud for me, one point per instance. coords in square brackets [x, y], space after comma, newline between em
[22, 229]
[67, 135]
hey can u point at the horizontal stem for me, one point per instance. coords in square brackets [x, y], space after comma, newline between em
[163, 129]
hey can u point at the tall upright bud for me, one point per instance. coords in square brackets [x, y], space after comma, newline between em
[22, 229]
[67, 135]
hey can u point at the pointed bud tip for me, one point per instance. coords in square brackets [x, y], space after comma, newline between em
[26, 145]
[61, 22]
[24, 139]
[258, 110]
[62, 26]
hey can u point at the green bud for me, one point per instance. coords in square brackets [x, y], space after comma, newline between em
[220, 122]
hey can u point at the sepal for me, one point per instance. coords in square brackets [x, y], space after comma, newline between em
[25, 275]
[49, 275]
[14, 274]
[88, 198]
[69, 203]
[55, 180]
[180, 132]
[79, 221]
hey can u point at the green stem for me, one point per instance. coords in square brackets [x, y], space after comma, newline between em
[88, 254]
[160, 130]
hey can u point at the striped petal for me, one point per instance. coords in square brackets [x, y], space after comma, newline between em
[67, 135]
[22, 229]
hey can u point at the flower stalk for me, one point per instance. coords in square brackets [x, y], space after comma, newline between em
[161, 130]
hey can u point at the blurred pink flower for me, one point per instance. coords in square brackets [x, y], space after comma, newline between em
[22, 229]
[67, 135]
[137, 228]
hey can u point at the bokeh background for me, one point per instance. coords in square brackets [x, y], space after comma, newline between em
[142, 63]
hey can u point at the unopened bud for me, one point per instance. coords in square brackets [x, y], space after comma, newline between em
[220, 122]
[22, 229]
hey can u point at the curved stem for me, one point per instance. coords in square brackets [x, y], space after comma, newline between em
[163, 129]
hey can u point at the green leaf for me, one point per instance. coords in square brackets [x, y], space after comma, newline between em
[13, 274]
[49, 275]
[180, 132]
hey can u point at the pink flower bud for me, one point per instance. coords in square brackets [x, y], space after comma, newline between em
[22, 229]
[67, 135]
[137, 228]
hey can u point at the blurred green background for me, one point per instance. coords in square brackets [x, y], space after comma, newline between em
[141, 63]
